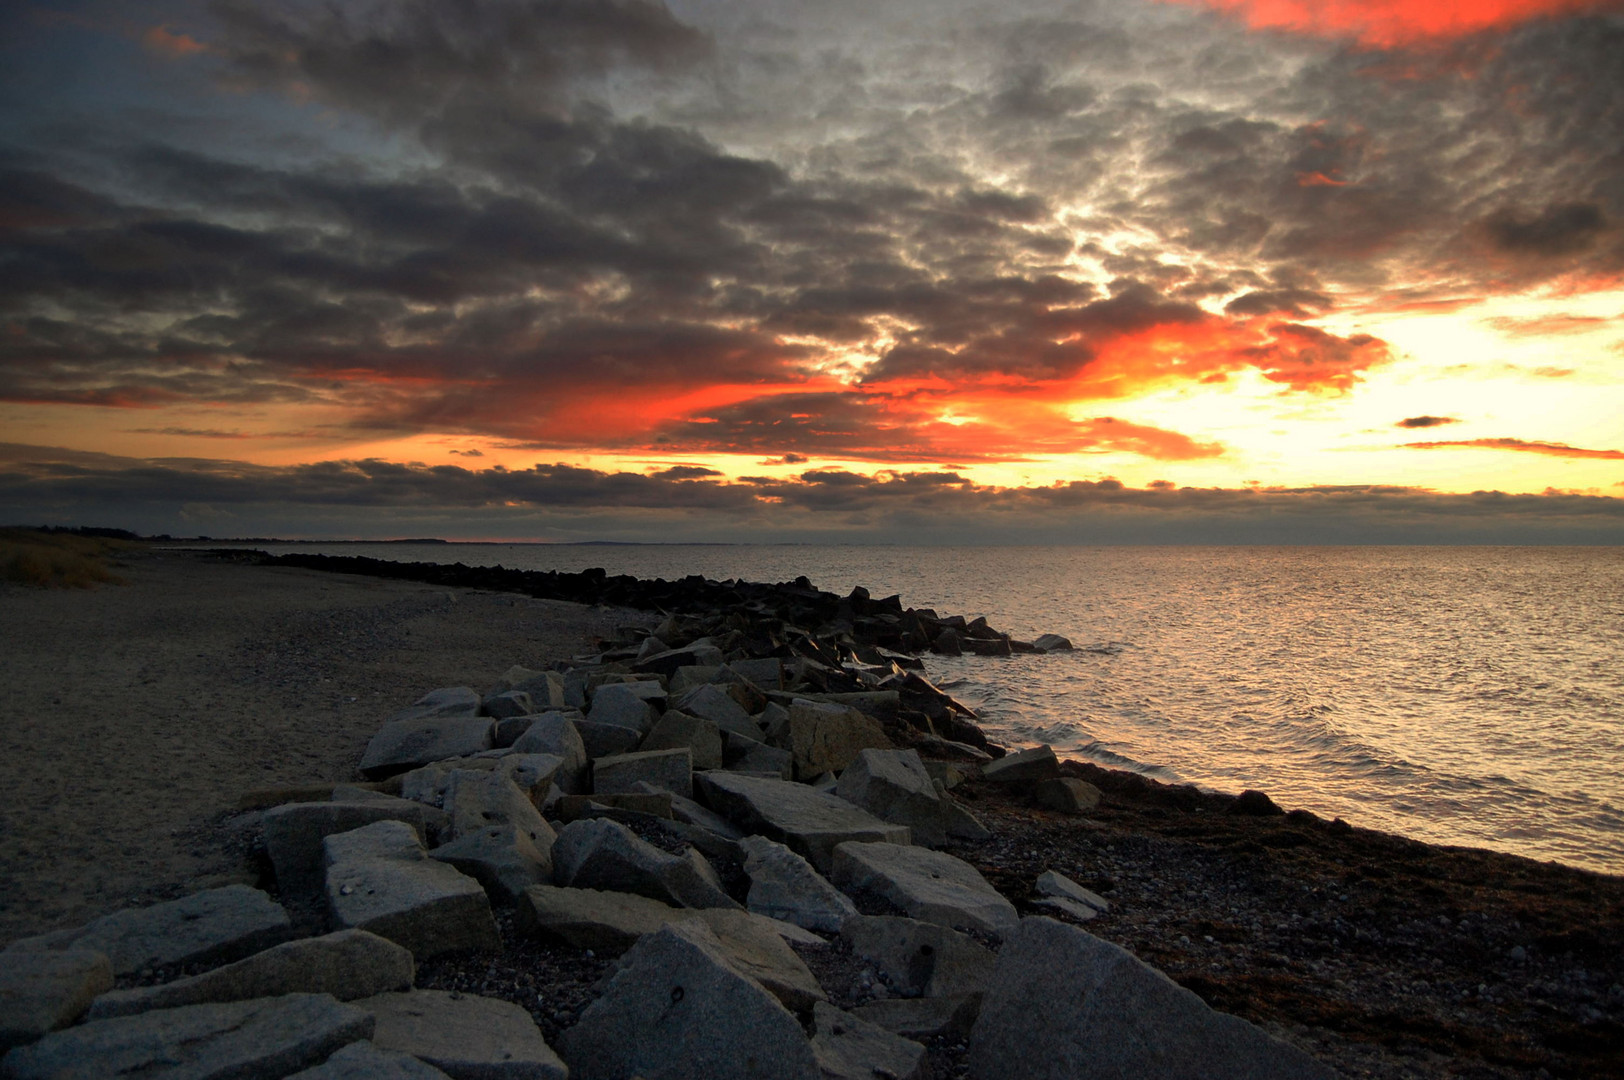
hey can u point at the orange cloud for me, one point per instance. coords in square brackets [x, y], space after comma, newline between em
[1388, 23]
[1561, 450]
[162, 40]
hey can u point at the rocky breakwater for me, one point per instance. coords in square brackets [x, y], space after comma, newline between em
[719, 809]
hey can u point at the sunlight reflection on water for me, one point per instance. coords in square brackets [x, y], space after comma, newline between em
[1457, 695]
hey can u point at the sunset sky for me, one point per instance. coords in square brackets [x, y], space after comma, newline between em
[923, 270]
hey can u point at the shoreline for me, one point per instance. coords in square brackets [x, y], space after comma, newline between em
[1330, 934]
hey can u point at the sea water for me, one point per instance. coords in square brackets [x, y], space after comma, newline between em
[1459, 695]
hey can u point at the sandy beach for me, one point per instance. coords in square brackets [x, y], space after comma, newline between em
[135, 716]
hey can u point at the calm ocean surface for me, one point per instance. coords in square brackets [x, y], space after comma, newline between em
[1457, 695]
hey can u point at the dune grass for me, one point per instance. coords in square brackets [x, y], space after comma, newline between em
[51, 560]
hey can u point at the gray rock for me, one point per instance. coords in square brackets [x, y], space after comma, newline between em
[1067, 794]
[894, 786]
[595, 853]
[774, 722]
[1046, 643]
[624, 705]
[607, 740]
[811, 822]
[1054, 883]
[555, 733]
[826, 737]
[928, 885]
[785, 886]
[711, 702]
[1066, 906]
[1023, 766]
[262, 1039]
[767, 673]
[923, 1018]
[504, 859]
[850, 1048]
[678, 1009]
[546, 689]
[692, 813]
[507, 704]
[668, 770]
[466, 1036]
[42, 990]
[677, 730]
[347, 964]
[206, 928]
[920, 958]
[743, 754]
[508, 729]
[667, 663]
[756, 948]
[364, 1061]
[532, 774]
[446, 701]
[405, 744]
[426, 784]
[1063, 1003]
[650, 646]
[606, 922]
[379, 878]
[959, 822]
[476, 800]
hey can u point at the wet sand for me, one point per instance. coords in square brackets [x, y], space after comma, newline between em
[133, 718]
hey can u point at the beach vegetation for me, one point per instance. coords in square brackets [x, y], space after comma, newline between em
[58, 559]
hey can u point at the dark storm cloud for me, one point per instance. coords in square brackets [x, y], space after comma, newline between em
[1556, 230]
[1426, 421]
[40, 484]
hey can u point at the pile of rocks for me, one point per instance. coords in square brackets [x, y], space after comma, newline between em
[682, 802]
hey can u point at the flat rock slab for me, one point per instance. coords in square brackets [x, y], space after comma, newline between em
[502, 858]
[211, 927]
[754, 946]
[262, 1039]
[785, 886]
[446, 701]
[407, 744]
[379, 878]
[826, 738]
[1023, 766]
[597, 853]
[477, 799]
[1064, 1003]
[894, 786]
[670, 770]
[678, 1009]
[676, 730]
[925, 1017]
[348, 964]
[928, 885]
[294, 832]
[605, 922]
[812, 823]
[851, 1048]
[1054, 883]
[42, 990]
[464, 1035]
[606, 740]
[364, 1061]
[555, 733]
[920, 958]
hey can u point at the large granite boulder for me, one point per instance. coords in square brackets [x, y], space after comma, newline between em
[294, 833]
[785, 886]
[679, 730]
[507, 704]
[401, 745]
[678, 1009]
[920, 959]
[712, 702]
[261, 1039]
[464, 1035]
[811, 822]
[379, 878]
[505, 859]
[364, 1061]
[669, 770]
[894, 786]
[597, 853]
[1063, 1003]
[627, 705]
[825, 737]
[42, 990]
[347, 964]
[206, 928]
[928, 885]
[850, 1048]
[1023, 767]
[476, 800]
[555, 733]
